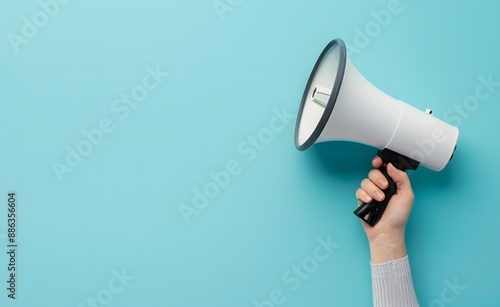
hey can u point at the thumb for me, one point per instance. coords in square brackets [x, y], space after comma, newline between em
[400, 178]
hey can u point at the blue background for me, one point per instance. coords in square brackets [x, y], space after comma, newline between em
[229, 73]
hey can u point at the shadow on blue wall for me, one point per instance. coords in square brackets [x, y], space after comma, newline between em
[343, 158]
[339, 159]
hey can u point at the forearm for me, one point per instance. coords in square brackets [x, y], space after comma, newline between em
[391, 275]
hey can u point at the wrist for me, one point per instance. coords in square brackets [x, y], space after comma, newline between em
[387, 247]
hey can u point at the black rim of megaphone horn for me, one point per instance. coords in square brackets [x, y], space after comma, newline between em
[333, 97]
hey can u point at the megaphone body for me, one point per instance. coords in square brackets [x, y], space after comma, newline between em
[339, 104]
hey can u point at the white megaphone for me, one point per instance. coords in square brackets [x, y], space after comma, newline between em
[339, 104]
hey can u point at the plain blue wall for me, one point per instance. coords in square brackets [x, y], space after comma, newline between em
[233, 66]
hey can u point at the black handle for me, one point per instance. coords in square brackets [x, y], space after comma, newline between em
[372, 212]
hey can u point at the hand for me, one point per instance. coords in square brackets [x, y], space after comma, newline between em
[386, 238]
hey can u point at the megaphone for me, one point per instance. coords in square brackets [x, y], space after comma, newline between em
[339, 104]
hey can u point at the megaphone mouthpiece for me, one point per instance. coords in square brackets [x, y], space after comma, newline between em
[321, 95]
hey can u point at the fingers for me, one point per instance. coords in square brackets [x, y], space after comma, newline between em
[362, 196]
[402, 182]
[372, 189]
[377, 162]
[400, 178]
[378, 178]
[373, 186]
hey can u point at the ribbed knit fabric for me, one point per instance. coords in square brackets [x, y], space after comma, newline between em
[392, 284]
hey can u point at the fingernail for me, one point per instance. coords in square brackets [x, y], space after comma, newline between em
[374, 159]
[379, 195]
[383, 183]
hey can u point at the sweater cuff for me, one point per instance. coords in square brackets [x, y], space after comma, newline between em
[392, 284]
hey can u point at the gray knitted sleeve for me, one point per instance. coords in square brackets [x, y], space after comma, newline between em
[392, 284]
